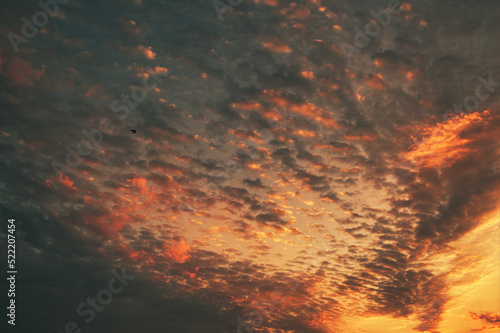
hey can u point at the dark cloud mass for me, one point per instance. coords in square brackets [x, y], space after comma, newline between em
[318, 166]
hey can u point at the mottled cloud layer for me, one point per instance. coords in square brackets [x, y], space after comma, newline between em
[280, 165]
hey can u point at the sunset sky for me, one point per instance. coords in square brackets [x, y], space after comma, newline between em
[298, 167]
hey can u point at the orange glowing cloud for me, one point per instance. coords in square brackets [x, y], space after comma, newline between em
[273, 3]
[247, 106]
[108, 225]
[159, 69]
[255, 166]
[130, 254]
[246, 135]
[409, 74]
[442, 144]
[375, 81]
[67, 182]
[487, 317]
[145, 72]
[140, 183]
[270, 114]
[334, 147]
[364, 137]
[406, 6]
[277, 47]
[305, 134]
[412, 75]
[308, 110]
[177, 251]
[307, 74]
[147, 52]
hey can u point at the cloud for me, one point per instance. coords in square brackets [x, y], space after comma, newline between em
[492, 320]
[22, 73]
[265, 157]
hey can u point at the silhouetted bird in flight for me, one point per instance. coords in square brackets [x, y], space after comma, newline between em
[133, 131]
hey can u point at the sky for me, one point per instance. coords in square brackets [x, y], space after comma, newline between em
[297, 167]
